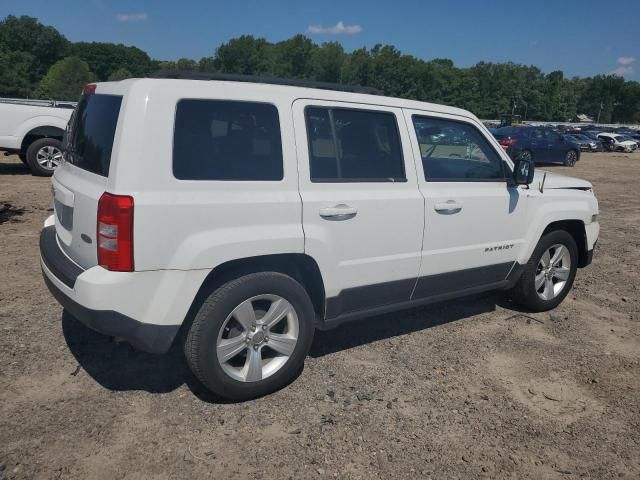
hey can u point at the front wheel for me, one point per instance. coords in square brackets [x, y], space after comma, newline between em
[571, 158]
[548, 275]
[251, 336]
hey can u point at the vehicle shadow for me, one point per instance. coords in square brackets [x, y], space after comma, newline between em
[14, 168]
[117, 366]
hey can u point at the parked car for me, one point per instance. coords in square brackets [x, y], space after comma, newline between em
[616, 142]
[542, 144]
[628, 138]
[33, 130]
[255, 211]
[634, 134]
[586, 144]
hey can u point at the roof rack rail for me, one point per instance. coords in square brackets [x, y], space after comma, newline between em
[230, 77]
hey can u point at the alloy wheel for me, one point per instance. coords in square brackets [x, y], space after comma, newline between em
[257, 338]
[49, 157]
[553, 272]
[571, 158]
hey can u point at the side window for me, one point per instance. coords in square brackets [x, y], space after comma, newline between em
[538, 134]
[456, 151]
[353, 145]
[226, 140]
[552, 137]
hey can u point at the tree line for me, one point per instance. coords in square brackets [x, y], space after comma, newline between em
[38, 61]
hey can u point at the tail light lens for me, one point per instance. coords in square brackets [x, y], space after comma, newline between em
[508, 142]
[115, 232]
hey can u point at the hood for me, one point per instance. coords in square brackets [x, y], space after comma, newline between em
[555, 181]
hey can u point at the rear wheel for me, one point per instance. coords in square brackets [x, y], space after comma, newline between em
[571, 158]
[251, 336]
[548, 275]
[44, 155]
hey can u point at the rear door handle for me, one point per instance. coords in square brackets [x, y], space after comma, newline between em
[448, 208]
[338, 212]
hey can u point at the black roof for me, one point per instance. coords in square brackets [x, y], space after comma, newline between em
[230, 77]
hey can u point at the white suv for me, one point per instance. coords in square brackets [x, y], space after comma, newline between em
[250, 214]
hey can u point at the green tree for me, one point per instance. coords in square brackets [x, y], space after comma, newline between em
[120, 74]
[65, 79]
[105, 58]
[14, 74]
[244, 55]
[26, 34]
[187, 65]
[356, 68]
[292, 58]
[28, 50]
[326, 62]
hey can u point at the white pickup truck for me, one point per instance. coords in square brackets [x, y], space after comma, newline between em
[33, 129]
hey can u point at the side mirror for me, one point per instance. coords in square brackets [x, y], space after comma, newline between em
[523, 170]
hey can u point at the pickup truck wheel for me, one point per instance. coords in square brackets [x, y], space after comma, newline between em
[251, 336]
[548, 276]
[44, 155]
[571, 158]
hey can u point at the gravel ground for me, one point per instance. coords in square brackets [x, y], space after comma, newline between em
[466, 389]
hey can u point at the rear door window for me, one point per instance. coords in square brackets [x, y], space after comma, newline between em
[89, 137]
[227, 140]
[349, 145]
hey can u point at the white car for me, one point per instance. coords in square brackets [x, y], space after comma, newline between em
[33, 129]
[249, 214]
[617, 142]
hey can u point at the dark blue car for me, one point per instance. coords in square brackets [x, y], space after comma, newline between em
[542, 144]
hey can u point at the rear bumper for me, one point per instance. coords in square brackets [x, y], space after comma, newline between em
[145, 308]
[142, 336]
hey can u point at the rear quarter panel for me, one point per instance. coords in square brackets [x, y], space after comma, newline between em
[187, 224]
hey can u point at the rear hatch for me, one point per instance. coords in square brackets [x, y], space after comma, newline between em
[79, 183]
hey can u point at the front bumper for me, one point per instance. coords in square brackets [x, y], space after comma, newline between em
[144, 308]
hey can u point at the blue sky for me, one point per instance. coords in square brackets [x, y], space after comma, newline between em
[579, 37]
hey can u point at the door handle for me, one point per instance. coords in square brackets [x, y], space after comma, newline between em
[339, 212]
[448, 208]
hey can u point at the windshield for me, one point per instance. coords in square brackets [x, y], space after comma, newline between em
[89, 137]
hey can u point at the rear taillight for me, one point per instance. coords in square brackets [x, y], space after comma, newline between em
[89, 89]
[115, 232]
[508, 142]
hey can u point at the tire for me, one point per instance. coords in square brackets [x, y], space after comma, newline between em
[218, 321]
[23, 157]
[525, 292]
[570, 158]
[43, 156]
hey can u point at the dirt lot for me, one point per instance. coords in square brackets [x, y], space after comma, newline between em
[469, 389]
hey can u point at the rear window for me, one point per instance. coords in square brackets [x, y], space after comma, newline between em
[227, 140]
[89, 138]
